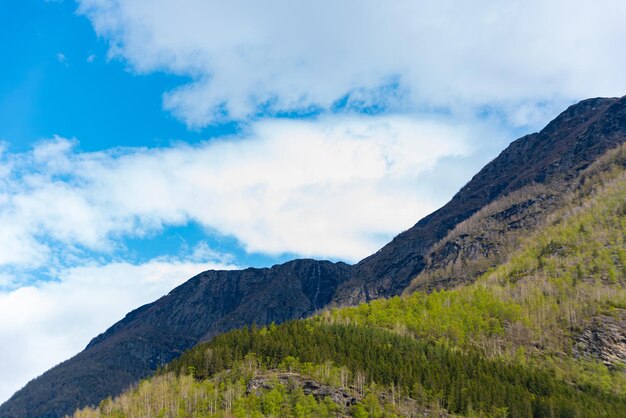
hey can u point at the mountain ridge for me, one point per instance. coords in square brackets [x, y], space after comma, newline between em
[537, 157]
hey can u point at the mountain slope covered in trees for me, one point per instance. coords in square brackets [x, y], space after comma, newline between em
[465, 238]
[511, 343]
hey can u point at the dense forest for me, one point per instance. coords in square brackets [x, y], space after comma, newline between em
[509, 343]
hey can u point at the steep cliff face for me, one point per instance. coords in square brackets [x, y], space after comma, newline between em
[210, 303]
[216, 301]
[556, 155]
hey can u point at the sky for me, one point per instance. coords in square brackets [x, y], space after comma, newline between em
[145, 141]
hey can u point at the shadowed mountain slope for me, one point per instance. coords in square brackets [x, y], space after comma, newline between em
[217, 301]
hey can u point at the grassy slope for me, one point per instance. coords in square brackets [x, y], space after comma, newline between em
[503, 345]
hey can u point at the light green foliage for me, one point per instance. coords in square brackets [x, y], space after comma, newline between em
[169, 395]
[273, 400]
[372, 406]
[358, 411]
[453, 317]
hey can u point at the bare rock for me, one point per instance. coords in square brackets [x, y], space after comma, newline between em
[604, 339]
[319, 390]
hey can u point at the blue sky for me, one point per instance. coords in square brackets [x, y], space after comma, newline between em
[50, 85]
[57, 80]
[147, 141]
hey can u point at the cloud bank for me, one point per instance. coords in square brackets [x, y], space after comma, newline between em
[323, 188]
[245, 57]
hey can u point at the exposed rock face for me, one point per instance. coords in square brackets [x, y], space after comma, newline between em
[342, 397]
[320, 391]
[604, 339]
[486, 238]
[217, 301]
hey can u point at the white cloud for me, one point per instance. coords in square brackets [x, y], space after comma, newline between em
[331, 187]
[452, 54]
[48, 322]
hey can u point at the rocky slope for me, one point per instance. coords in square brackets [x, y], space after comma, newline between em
[488, 238]
[213, 302]
[552, 157]
[604, 339]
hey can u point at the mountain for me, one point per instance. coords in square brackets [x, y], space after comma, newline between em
[217, 301]
[210, 303]
[541, 334]
[551, 157]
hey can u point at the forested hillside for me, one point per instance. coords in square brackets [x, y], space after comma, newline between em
[541, 334]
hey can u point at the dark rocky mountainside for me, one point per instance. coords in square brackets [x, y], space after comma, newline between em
[216, 301]
[488, 237]
[556, 155]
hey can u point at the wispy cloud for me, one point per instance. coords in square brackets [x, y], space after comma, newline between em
[61, 58]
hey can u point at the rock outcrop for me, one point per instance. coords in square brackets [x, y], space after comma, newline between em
[343, 398]
[604, 339]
